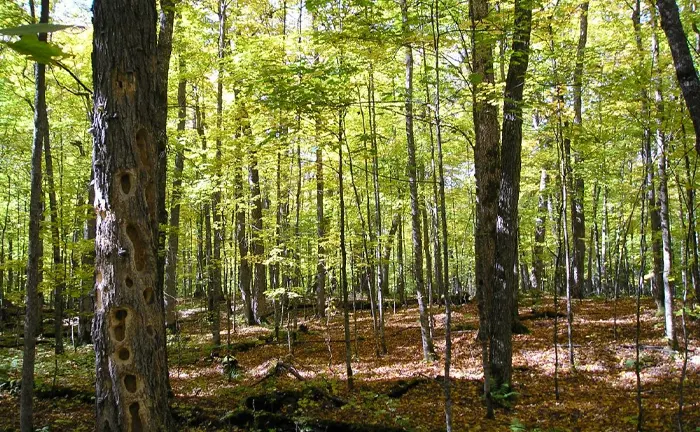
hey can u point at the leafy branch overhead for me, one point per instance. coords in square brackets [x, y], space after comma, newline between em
[31, 47]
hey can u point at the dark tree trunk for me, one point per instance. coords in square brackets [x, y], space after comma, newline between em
[487, 173]
[260, 280]
[578, 218]
[244, 270]
[128, 329]
[412, 172]
[662, 196]
[506, 274]
[683, 61]
[654, 217]
[537, 279]
[401, 276]
[176, 196]
[87, 304]
[58, 278]
[320, 232]
[343, 256]
[31, 320]
[164, 47]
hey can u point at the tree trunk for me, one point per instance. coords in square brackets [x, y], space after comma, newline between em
[662, 197]
[654, 217]
[57, 276]
[320, 232]
[176, 196]
[31, 320]
[412, 171]
[343, 256]
[487, 173]
[87, 302]
[537, 279]
[578, 219]
[683, 61]
[401, 276]
[128, 329]
[164, 47]
[259, 281]
[692, 236]
[506, 274]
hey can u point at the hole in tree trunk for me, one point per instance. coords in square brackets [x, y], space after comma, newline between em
[121, 314]
[148, 295]
[119, 332]
[129, 282]
[142, 147]
[138, 246]
[130, 383]
[136, 424]
[125, 181]
[124, 354]
[151, 331]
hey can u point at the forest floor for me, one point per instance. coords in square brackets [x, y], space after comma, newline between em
[274, 390]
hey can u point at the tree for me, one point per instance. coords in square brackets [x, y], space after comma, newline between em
[412, 172]
[35, 249]
[686, 73]
[128, 328]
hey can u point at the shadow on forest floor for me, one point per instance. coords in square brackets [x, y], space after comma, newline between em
[305, 390]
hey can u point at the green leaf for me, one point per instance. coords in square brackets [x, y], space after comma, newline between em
[36, 50]
[33, 29]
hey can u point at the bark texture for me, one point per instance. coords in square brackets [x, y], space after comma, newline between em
[128, 329]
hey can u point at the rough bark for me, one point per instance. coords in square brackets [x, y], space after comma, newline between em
[506, 279]
[686, 73]
[34, 249]
[128, 329]
[487, 173]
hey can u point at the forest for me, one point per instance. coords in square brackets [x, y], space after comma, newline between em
[349, 215]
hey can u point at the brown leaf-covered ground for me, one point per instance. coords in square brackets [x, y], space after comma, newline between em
[599, 394]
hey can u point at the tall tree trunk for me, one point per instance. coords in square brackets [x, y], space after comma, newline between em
[401, 275]
[176, 196]
[259, 281]
[662, 197]
[654, 217]
[31, 320]
[412, 172]
[164, 47]
[382, 282]
[487, 173]
[244, 271]
[320, 233]
[87, 302]
[537, 279]
[578, 219]
[506, 274]
[686, 73]
[692, 235]
[58, 277]
[128, 329]
[343, 255]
